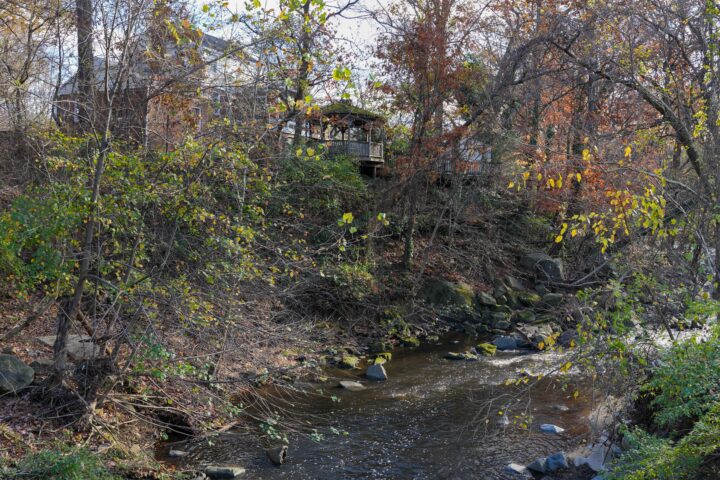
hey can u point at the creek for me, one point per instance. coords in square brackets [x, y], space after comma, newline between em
[432, 419]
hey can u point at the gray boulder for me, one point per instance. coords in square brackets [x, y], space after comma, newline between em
[568, 338]
[14, 374]
[504, 342]
[485, 299]
[537, 334]
[556, 462]
[550, 428]
[442, 292]
[525, 316]
[539, 465]
[42, 366]
[502, 325]
[514, 283]
[79, 347]
[376, 372]
[529, 299]
[553, 299]
[599, 455]
[177, 454]
[544, 266]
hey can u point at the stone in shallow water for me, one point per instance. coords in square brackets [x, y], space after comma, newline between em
[539, 465]
[177, 454]
[517, 470]
[505, 343]
[376, 372]
[487, 349]
[224, 472]
[352, 385]
[14, 374]
[461, 356]
[550, 428]
[556, 462]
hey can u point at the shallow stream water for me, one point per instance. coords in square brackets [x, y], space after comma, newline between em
[433, 419]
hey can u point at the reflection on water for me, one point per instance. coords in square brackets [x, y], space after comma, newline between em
[433, 419]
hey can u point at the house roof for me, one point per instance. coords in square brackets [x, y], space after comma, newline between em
[215, 43]
[139, 71]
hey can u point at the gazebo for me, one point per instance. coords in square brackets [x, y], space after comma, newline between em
[346, 129]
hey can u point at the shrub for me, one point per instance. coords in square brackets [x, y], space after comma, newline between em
[684, 383]
[684, 388]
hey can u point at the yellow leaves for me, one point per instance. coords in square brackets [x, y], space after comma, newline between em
[575, 394]
[586, 155]
[578, 177]
[511, 185]
[541, 346]
[551, 183]
[573, 232]
[558, 239]
[526, 175]
[539, 177]
[628, 151]
[566, 367]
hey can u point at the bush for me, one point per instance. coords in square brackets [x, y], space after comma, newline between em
[315, 183]
[684, 383]
[684, 389]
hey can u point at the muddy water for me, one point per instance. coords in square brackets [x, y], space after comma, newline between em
[433, 419]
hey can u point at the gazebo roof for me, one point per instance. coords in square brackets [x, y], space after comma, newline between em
[346, 109]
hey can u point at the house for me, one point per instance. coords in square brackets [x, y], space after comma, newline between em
[468, 158]
[158, 101]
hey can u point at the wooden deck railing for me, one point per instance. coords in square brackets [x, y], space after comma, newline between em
[368, 151]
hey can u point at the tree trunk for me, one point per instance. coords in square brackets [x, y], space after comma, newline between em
[301, 86]
[86, 63]
[70, 307]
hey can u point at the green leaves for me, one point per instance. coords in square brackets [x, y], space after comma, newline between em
[341, 73]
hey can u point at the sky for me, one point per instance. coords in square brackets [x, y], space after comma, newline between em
[355, 28]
